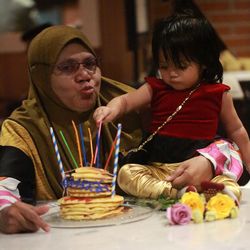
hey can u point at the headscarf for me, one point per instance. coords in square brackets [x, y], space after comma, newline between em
[43, 109]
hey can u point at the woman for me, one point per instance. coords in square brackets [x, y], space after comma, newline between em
[65, 85]
[65, 81]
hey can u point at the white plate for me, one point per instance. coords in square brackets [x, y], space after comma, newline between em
[134, 213]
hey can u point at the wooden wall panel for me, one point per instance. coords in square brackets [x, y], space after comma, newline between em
[13, 76]
[116, 59]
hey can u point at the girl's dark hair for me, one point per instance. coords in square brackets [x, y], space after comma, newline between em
[191, 38]
[189, 7]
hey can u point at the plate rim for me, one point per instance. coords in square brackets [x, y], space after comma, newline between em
[109, 221]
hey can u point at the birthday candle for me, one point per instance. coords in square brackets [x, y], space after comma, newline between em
[117, 146]
[57, 153]
[67, 146]
[91, 147]
[83, 146]
[78, 142]
[110, 154]
[97, 144]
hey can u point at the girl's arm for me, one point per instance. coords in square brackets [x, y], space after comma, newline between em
[124, 104]
[234, 128]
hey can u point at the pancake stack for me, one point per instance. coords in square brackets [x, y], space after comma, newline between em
[89, 195]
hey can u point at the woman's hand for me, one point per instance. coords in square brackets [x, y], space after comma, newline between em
[192, 172]
[22, 217]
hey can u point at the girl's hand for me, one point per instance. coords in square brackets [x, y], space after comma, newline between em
[22, 217]
[192, 172]
[103, 114]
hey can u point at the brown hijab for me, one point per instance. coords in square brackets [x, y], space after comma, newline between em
[43, 109]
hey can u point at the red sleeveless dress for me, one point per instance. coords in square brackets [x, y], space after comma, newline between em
[193, 127]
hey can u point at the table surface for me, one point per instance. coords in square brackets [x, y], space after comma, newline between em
[150, 233]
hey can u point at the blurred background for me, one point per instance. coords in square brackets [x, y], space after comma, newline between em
[120, 31]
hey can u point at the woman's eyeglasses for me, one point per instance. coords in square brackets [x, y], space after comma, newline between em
[71, 66]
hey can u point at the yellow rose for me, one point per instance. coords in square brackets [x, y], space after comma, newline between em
[221, 204]
[194, 201]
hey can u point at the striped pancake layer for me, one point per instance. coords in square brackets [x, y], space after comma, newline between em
[90, 208]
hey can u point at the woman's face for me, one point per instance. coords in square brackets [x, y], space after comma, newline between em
[75, 79]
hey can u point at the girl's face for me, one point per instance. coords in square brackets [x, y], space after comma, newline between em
[76, 78]
[181, 78]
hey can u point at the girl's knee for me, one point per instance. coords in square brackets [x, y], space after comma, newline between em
[129, 174]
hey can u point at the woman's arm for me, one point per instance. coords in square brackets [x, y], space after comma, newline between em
[22, 217]
[123, 104]
[17, 182]
[234, 128]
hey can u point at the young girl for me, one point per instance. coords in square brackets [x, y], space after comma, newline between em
[188, 94]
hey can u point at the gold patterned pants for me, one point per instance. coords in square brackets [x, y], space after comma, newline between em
[150, 181]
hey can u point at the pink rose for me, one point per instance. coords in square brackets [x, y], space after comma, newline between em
[179, 214]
